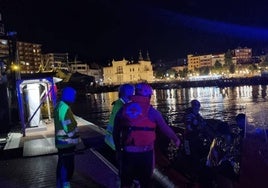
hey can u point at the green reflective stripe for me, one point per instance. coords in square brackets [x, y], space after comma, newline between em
[62, 112]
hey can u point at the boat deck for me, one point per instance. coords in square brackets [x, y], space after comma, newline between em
[40, 140]
[38, 143]
[92, 163]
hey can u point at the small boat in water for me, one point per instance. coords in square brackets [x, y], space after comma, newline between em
[174, 170]
[250, 161]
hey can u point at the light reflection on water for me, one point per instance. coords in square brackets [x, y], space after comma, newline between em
[217, 103]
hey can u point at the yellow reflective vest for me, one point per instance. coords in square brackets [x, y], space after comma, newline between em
[109, 130]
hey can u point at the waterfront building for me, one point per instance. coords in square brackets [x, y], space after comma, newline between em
[4, 49]
[242, 55]
[209, 60]
[196, 62]
[88, 69]
[54, 61]
[218, 58]
[125, 71]
[179, 68]
[4, 44]
[29, 57]
[4, 52]
[206, 60]
[193, 62]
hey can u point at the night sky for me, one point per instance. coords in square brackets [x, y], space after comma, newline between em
[102, 30]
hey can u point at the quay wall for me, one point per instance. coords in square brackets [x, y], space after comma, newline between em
[224, 82]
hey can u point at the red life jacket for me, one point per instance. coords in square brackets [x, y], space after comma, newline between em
[140, 129]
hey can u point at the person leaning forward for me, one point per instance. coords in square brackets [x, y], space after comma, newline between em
[66, 137]
[134, 136]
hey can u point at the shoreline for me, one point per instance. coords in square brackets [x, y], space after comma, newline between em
[177, 84]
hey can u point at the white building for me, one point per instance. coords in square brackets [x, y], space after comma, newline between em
[126, 71]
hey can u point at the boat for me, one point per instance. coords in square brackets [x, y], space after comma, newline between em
[172, 169]
[252, 161]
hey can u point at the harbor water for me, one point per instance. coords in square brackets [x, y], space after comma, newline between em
[216, 103]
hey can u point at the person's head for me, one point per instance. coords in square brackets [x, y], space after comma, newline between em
[143, 89]
[126, 91]
[195, 105]
[68, 94]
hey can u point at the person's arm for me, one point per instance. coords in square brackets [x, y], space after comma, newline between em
[70, 124]
[188, 120]
[116, 107]
[117, 130]
[163, 126]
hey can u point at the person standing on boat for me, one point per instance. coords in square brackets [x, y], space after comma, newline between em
[66, 137]
[195, 137]
[241, 124]
[134, 135]
[125, 92]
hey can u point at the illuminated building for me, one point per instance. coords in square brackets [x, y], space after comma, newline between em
[29, 57]
[218, 57]
[125, 71]
[54, 61]
[242, 55]
[196, 62]
[4, 46]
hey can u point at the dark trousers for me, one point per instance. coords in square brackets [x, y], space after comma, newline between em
[137, 166]
[65, 166]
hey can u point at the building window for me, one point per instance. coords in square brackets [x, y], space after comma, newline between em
[119, 70]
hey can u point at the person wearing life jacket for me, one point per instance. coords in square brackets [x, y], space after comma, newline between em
[134, 137]
[66, 137]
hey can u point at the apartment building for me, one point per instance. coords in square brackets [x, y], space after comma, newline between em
[218, 57]
[29, 57]
[54, 61]
[205, 60]
[4, 49]
[242, 55]
[209, 60]
[4, 44]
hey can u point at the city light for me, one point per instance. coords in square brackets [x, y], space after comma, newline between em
[15, 67]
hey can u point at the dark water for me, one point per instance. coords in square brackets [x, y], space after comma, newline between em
[216, 103]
